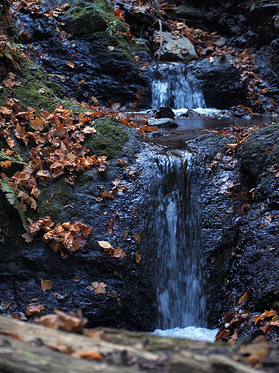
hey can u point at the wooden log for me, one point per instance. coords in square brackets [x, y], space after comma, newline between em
[32, 348]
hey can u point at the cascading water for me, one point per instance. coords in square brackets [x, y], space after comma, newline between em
[174, 235]
[176, 87]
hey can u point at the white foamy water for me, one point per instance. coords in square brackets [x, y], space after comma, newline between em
[190, 332]
[174, 86]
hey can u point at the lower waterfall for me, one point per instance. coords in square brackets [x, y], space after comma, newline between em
[174, 238]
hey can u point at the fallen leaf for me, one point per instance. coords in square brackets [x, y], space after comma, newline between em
[73, 322]
[71, 65]
[105, 245]
[37, 124]
[244, 297]
[99, 287]
[137, 238]
[34, 309]
[88, 354]
[46, 285]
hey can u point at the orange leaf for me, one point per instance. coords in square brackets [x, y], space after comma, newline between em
[88, 354]
[99, 287]
[118, 253]
[37, 124]
[34, 309]
[71, 64]
[5, 164]
[138, 257]
[46, 285]
[137, 238]
[264, 315]
[244, 297]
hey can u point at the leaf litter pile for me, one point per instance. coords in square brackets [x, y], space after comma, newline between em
[55, 141]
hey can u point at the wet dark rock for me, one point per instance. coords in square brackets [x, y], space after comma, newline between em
[101, 62]
[129, 299]
[239, 234]
[165, 112]
[267, 65]
[220, 82]
[257, 154]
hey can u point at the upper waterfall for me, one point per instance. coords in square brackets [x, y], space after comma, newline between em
[176, 87]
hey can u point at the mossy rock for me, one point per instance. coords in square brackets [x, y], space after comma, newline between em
[54, 201]
[3, 96]
[11, 227]
[93, 16]
[34, 78]
[109, 139]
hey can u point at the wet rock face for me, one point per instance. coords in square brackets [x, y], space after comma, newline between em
[90, 60]
[128, 301]
[246, 24]
[240, 231]
[220, 82]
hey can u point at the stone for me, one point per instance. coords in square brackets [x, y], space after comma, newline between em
[174, 49]
[165, 112]
[162, 122]
[221, 82]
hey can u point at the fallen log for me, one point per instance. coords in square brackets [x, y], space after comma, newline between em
[33, 348]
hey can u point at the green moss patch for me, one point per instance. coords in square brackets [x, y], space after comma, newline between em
[109, 139]
[33, 79]
[92, 16]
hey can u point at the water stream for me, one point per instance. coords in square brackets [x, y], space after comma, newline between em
[176, 87]
[174, 230]
[174, 236]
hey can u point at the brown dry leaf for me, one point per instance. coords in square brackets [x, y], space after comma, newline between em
[88, 354]
[46, 285]
[244, 297]
[113, 294]
[138, 257]
[118, 253]
[257, 351]
[28, 237]
[34, 309]
[137, 238]
[37, 124]
[71, 65]
[233, 338]
[105, 245]
[98, 287]
[264, 315]
[107, 194]
[70, 323]
[5, 111]
[59, 296]
[268, 218]
[9, 83]
[89, 130]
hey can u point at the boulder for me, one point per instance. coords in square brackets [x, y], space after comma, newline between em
[165, 112]
[174, 49]
[162, 122]
[221, 82]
